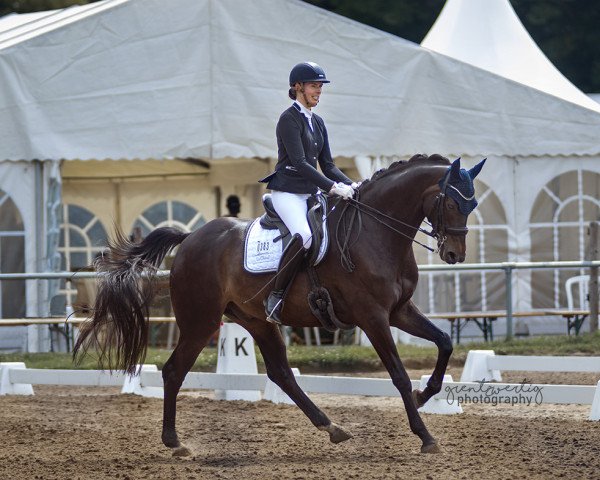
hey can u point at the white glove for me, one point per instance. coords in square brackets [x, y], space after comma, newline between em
[355, 185]
[342, 190]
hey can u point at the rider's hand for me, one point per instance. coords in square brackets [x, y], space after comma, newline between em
[355, 185]
[342, 190]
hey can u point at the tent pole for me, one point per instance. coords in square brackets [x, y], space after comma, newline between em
[593, 285]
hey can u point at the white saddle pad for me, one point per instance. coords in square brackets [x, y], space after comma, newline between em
[262, 254]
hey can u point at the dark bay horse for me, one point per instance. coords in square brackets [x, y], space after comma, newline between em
[208, 280]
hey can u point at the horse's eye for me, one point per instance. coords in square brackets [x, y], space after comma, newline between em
[450, 206]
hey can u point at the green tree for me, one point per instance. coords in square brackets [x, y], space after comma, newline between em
[26, 6]
[565, 30]
[409, 19]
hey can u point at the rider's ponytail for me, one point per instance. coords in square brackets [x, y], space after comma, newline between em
[292, 93]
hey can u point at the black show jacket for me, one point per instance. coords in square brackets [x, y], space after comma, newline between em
[299, 149]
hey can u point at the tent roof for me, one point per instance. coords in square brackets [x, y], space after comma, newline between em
[490, 35]
[126, 79]
[16, 27]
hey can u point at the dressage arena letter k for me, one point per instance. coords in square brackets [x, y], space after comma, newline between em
[240, 346]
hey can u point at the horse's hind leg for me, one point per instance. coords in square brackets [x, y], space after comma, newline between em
[381, 337]
[411, 320]
[190, 344]
[268, 339]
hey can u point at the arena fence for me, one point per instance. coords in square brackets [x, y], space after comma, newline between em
[507, 267]
[16, 379]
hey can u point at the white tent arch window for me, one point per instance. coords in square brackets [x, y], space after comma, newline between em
[12, 258]
[82, 237]
[487, 241]
[558, 224]
[169, 213]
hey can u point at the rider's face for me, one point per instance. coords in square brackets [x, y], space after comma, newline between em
[309, 94]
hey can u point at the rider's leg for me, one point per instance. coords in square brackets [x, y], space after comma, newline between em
[288, 267]
[292, 209]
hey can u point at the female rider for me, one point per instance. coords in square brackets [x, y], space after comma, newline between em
[301, 142]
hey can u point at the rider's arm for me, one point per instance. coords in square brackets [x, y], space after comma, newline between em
[289, 130]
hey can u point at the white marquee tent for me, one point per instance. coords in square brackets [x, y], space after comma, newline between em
[559, 193]
[148, 79]
[490, 35]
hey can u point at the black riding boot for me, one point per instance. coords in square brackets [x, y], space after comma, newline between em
[290, 262]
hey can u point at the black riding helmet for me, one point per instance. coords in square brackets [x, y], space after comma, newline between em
[307, 72]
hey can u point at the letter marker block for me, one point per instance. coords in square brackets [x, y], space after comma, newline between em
[236, 355]
[133, 384]
[8, 388]
[275, 394]
[476, 368]
[595, 412]
[439, 405]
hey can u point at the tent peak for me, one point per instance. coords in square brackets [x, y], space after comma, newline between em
[490, 36]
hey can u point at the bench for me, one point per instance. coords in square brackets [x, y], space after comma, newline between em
[484, 320]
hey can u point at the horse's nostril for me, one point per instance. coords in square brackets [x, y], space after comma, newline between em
[451, 257]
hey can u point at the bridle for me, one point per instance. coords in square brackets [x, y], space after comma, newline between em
[439, 229]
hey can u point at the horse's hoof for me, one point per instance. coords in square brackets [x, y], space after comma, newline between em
[431, 448]
[415, 396]
[182, 452]
[336, 433]
[170, 440]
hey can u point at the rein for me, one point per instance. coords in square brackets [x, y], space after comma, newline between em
[439, 230]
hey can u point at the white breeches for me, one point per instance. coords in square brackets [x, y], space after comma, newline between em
[292, 209]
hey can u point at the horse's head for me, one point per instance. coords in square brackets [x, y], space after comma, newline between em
[450, 209]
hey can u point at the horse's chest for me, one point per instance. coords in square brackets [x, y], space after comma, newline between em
[407, 286]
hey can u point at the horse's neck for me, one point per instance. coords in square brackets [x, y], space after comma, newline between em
[401, 195]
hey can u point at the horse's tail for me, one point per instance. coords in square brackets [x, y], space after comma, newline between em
[118, 326]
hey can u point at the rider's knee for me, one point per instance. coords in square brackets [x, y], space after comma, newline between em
[306, 239]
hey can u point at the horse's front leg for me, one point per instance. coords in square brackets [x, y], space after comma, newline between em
[411, 320]
[379, 333]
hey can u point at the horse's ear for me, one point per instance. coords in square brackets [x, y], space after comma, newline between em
[476, 169]
[455, 168]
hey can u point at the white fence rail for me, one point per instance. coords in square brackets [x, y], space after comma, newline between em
[16, 379]
[485, 365]
[544, 364]
[86, 378]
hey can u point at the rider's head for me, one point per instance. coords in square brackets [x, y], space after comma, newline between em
[306, 81]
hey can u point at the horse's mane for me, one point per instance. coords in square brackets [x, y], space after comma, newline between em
[414, 161]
